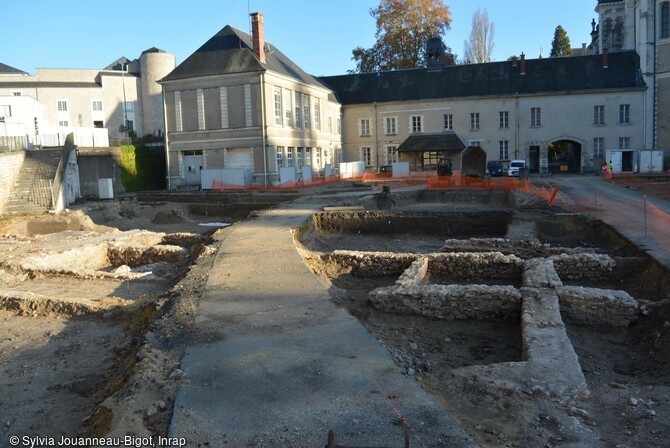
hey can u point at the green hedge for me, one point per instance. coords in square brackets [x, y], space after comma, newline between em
[142, 168]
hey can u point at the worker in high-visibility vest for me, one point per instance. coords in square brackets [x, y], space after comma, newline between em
[611, 167]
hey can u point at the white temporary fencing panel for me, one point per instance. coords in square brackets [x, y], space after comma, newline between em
[286, 174]
[651, 161]
[400, 169]
[307, 174]
[239, 177]
[105, 189]
[352, 169]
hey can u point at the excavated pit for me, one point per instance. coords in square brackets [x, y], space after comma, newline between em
[536, 310]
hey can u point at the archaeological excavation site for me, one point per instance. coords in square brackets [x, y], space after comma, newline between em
[531, 325]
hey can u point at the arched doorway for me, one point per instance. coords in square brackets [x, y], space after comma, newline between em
[564, 156]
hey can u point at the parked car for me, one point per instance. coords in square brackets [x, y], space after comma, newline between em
[497, 168]
[514, 167]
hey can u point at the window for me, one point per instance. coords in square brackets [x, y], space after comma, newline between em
[288, 114]
[278, 107]
[317, 114]
[365, 127]
[416, 124]
[16, 93]
[475, 143]
[366, 155]
[96, 106]
[624, 142]
[504, 119]
[598, 115]
[317, 156]
[430, 159]
[298, 111]
[390, 126]
[98, 124]
[299, 160]
[474, 121]
[448, 122]
[130, 106]
[535, 117]
[5, 111]
[62, 106]
[504, 149]
[665, 20]
[280, 157]
[63, 124]
[308, 156]
[391, 155]
[330, 125]
[306, 115]
[289, 156]
[624, 114]
[598, 148]
[130, 125]
[339, 125]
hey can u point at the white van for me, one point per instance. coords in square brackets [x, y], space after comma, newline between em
[514, 166]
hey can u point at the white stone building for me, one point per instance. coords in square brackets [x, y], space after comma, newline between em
[642, 26]
[559, 114]
[122, 97]
[239, 103]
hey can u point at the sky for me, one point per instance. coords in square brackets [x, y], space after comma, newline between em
[317, 35]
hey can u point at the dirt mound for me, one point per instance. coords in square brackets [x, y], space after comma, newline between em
[171, 217]
[63, 222]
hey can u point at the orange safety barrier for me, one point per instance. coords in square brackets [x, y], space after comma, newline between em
[291, 185]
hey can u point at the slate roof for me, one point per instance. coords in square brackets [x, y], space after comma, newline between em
[442, 141]
[549, 75]
[231, 51]
[7, 70]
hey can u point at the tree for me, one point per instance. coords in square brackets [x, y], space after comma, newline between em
[403, 28]
[560, 46]
[479, 48]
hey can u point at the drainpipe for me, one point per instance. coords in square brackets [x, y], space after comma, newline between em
[516, 137]
[167, 146]
[654, 78]
[263, 130]
[376, 137]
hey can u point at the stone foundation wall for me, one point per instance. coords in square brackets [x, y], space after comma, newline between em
[453, 302]
[475, 266]
[589, 306]
[415, 274]
[579, 266]
[521, 248]
[372, 264]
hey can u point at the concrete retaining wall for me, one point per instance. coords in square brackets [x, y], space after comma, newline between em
[10, 167]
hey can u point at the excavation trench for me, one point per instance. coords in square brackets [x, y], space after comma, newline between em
[517, 337]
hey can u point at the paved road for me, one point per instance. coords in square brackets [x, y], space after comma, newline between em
[620, 207]
[279, 364]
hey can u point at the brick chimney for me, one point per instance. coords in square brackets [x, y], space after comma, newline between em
[606, 59]
[522, 63]
[258, 35]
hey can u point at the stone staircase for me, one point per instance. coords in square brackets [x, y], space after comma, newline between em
[32, 191]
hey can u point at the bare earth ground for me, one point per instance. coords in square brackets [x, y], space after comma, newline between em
[116, 373]
[658, 186]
